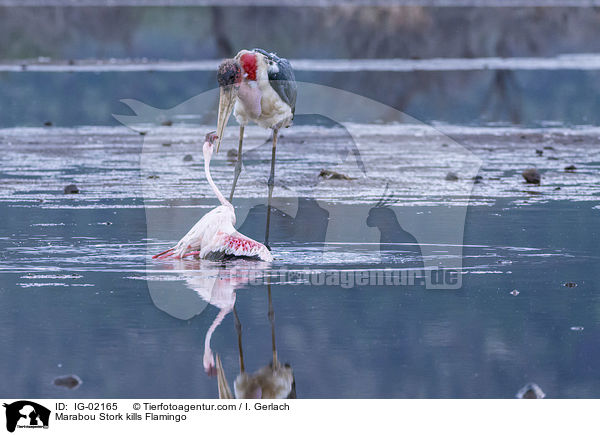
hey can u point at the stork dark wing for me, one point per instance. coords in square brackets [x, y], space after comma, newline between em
[281, 78]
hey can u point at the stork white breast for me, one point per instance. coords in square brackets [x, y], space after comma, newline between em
[274, 111]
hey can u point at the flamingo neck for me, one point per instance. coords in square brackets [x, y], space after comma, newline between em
[220, 316]
[215, 189]
[208, 359]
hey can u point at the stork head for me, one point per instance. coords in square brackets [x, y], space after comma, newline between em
[237, 79]
[229, 77]
[229, 73]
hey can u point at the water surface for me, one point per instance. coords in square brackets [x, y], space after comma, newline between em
[82, 296]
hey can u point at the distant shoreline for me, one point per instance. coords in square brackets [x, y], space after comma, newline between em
[583, 61]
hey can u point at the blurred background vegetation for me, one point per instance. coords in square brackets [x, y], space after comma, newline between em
[190, 33]
[475, 97]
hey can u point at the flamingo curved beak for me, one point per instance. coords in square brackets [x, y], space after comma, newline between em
[226, 101]
[211, 137]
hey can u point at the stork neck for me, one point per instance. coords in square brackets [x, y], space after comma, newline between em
[215, 189]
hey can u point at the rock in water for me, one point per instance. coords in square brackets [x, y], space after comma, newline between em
[69, 381]
[71, 188]
[530, 391]
[188, 158]
[232, 156]
[570, 168]
[451, 176]
[332, 175]
[532, 176]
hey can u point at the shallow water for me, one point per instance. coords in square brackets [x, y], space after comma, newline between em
[522, 91]
[82, 296]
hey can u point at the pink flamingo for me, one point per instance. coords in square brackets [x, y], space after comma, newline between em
[214, 236]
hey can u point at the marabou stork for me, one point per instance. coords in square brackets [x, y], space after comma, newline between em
[260, 87]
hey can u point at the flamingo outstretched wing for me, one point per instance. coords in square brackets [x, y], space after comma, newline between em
[235, 244]
[226, 243]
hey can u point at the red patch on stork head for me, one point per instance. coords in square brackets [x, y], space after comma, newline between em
[248, 61]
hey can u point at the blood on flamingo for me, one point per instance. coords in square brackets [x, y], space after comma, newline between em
[240, 243]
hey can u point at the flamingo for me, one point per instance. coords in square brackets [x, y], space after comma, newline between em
[259, 87]
[214, 236]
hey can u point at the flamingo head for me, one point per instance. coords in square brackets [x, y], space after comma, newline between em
[209, 363]
[209, 145]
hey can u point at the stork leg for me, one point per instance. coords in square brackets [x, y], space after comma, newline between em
[271, 184]
[238, 164]
[238, 329]
[272, 321]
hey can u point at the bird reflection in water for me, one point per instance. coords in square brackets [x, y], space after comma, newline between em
[273, 381]
[216, 284]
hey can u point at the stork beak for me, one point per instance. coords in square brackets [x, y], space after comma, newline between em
[224, 391]
[226, 100]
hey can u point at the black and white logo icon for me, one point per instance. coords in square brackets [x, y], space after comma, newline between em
[26, 414]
